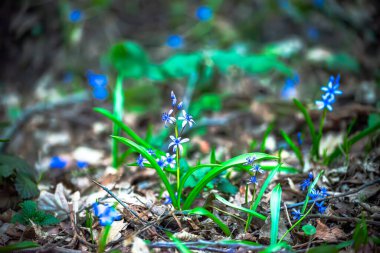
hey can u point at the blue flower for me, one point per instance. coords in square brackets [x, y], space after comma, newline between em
[311, 176]
[313, 33]
[57, 163]
[321, 207]
[250, 160]
[96, 80]
[324, 192]
[289, 90]
[252, 180]
[177, 143]
[161, 161]
[151, 152]
[140, 161]
[296, 214]
[174, 41]
[326, 102]
[100, 93]
[186, 119]
[315, 194]
[173, 98]
[170, 160]
[204, 13]
[82, 164]
[333, 86]
[107, 214]
[256, 168]
[167, 118]
[167, 200]
[305, 184]
[75, 15]
[180, 106]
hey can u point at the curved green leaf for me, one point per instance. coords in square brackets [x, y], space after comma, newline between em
[217, 170]
[153, 162]
[309, 229]
[275, 206]
[204, 212]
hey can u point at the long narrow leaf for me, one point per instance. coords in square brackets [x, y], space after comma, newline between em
[18, 246]
[118, 107]
[153, 163]
[275, 206]
[217, 170]
[307, 118]
[261, 194]
[293, 146]
[204, 212]
[240, 208]
[309, 191]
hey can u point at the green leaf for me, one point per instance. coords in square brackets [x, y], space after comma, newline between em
[309, 229]
[312, 185]
[217, 170]
[26, 187]
[360, 235]
[225, 186]
[240, 208]
[275, 206]
[49, 220]
[293, 146]
[118, 107]
[128, 59]
[29, 208]
[29, 212]
[6, 170]
[204, 212]
[324, 249]
[261, 194]
[18, 246]
[342, 61]
[153, 163]
[180, 245]
[181, 65]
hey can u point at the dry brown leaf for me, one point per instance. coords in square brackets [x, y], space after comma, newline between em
[329, 234]
[186, 236]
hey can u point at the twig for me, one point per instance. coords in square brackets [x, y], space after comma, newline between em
[336, 196]
[287, 215]
[337, 218]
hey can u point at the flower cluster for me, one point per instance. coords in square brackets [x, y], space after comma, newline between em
[318, 195]
[331, 90]
[176, 141]
[99, 84]
[106, 214]
[75, 16]
[255, 168]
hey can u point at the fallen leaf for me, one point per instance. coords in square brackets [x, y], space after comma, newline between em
[116, 228]
[329, 234]
[186, 236]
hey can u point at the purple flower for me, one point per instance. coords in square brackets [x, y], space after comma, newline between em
[57, 163]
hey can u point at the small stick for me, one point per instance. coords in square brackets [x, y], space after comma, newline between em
[287, 215]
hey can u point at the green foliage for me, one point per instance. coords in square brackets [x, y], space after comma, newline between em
[275, 206]
[277, 247]
[118, 107]
[360, 235]
[204, 212]
[309, 229]
[324, 249]
[103, 238]
[18, 246]
[180, 245]
[20, 174]
[30, 213]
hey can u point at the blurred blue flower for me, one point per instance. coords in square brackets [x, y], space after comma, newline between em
[177, 143]
[250, 160]
[204, 13]
[68, 77]
[180, 106]
[312, 33]
[289, 90]
[318, 3]
[161, 162]
[167, 119]
[256, 168]
[252, 180]
[167, 200]
[151, 152]
[170, 160]
[174, 41]
[140, 161]
[315, 194]
[305, 184]
[96, 80]
[296, 214]
[299, 138]
[107, 214]
[75, 15]
[173, 98]
[186, 119]
[82, 164]
[326, 102]
[57, 163]
[332, 87]
[321, 207]
[100, 93]
[324, 192]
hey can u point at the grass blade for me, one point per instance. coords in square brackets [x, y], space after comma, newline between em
[180, 245]
[19, 246]
[240, 208]
[204, 212]
[261, 194]
[275, 205]
[153, 163]
[118, 107]
[309, 190]
[238, 160]
[293, 146]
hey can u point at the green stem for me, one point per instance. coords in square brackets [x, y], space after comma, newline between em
[246, 194]
[103, 238]
[298, 222]
[178, 166]
[319, 137]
